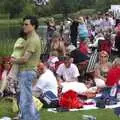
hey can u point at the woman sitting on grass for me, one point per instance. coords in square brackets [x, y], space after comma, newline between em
[101, 69]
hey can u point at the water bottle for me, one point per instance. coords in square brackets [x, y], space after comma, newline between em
[88, 117]
[118, 93]
[113, 91]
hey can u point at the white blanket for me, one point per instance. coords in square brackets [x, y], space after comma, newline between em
[88, 107]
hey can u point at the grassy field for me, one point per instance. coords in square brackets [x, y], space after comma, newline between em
[100, 114]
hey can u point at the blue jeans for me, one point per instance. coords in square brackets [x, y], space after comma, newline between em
[27, 107]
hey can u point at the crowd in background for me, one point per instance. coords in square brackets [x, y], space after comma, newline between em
[62, 66]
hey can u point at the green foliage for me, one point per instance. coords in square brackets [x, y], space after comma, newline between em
[14, 7]
[58, 17]
[18, 8]
[4, 16]
[8, 22]
[67, 6]
[44, 11]
[104, 5]
[6, 48]
[84, 12]
[29, 9]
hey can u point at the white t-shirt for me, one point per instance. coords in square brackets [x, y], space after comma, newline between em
[75, 86]
[69, 74]
[46, 82]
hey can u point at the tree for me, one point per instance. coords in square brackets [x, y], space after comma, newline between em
[29, 9]
[67, 6]
[13, 7]
[104, 5]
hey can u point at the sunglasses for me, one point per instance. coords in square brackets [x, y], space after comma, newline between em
[103, 56]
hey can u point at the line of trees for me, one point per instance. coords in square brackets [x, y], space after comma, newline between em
[17, 8]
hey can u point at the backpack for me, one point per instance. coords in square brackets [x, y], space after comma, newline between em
[70, 100]
[108, 97]
[49, 99]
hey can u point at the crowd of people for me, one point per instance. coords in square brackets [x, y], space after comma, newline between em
[62, 66]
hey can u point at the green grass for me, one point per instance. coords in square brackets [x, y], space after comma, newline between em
[105, 114]
[100, 114]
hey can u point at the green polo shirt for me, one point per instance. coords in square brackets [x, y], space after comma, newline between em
[33, 45]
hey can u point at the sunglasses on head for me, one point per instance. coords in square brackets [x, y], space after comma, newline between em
[104, 56]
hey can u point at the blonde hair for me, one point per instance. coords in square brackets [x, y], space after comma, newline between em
[116, 61]
[81, 19]
[54, 53]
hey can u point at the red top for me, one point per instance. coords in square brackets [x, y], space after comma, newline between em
[113, 76]
[83, 47]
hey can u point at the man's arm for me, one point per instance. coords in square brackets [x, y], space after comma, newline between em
[59, 79]
[22, 60]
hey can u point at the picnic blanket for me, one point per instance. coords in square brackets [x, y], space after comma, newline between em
[86, 107]
[89, 104]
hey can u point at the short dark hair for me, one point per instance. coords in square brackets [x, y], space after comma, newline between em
[22, 33]
[33, 20]
[67, 58]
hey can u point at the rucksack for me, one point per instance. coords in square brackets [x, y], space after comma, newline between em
[49, 99]
[70, 100]
[106, 98]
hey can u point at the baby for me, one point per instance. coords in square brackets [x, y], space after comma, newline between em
[17, 53]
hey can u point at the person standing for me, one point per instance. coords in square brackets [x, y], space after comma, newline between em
[74, 32]
[51, 28]
[27, 64]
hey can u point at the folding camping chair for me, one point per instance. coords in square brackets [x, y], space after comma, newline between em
[92, 61]
[89, 73]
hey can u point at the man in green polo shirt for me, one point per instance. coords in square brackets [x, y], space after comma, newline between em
[27, 64]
